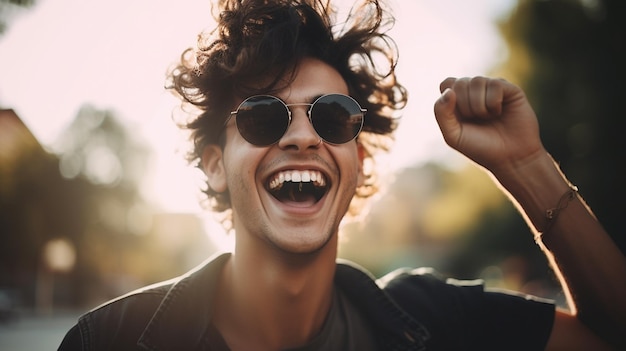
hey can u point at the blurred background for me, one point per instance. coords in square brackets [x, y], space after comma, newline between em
[96, 198]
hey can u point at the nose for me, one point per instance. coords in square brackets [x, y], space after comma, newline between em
[300, 135]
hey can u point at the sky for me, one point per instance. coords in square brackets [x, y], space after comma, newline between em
[61, 54]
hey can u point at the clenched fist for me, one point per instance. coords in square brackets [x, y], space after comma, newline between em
[488, 120]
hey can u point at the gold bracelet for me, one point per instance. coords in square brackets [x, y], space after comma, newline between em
[553, 213]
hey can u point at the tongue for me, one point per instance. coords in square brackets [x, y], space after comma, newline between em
[298, 198]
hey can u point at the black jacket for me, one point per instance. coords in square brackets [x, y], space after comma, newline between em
[409, 310]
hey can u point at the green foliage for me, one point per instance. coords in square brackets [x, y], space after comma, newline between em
[9, 8]
[569, 57]
[88, 195]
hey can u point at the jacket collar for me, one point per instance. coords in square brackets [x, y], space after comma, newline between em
[181, 321]
[183, 318]
[400, 330]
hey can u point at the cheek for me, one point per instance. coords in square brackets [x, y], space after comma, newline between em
[240, 164]
[352, 167]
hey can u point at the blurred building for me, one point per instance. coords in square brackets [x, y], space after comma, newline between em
[72, 243]
[15, 140]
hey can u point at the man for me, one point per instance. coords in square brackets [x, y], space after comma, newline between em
[289, 109]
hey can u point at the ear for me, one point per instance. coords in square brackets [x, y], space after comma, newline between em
[213, 166]
[363, 154]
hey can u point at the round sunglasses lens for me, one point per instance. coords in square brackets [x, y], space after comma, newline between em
[262, 120]
[336, 118]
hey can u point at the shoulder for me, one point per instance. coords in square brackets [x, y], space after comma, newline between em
[116, 324]
[437, 301]
[428, 285]
[119, 323]
[464, 310]
[162, 313]
[458, 313]
[135, 304]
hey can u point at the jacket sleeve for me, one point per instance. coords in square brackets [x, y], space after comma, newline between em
[462, 315]
[72, 340]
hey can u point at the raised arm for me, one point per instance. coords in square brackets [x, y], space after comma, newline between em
[491, 122]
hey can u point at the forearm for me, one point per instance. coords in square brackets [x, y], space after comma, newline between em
[591, 267]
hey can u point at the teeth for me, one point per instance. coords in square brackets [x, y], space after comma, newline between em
[316, 177]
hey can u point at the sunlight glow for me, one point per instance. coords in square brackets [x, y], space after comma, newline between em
[113, 54]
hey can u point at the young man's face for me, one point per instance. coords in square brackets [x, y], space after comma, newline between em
[303, 216]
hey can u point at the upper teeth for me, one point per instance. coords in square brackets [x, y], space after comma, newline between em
[280, 178]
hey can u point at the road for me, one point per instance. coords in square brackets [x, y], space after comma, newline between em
[31, 332]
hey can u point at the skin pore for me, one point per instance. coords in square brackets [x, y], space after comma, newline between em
[285, 251]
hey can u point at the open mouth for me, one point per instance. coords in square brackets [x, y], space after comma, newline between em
[301, 187]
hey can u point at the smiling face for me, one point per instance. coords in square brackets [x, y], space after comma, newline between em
[291, 195]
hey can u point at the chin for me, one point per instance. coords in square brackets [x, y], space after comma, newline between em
[305, 245]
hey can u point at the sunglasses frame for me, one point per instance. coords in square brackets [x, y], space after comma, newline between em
[362, 111]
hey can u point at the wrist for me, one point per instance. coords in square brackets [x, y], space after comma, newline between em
[536, 185]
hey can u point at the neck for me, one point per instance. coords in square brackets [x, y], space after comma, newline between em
[274, 300]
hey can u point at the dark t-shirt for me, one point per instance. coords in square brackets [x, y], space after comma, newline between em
[345, 329]
[406, 309]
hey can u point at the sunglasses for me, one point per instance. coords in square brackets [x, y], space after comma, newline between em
[262, 120]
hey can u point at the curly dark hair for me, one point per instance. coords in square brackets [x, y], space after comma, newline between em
[257, 39]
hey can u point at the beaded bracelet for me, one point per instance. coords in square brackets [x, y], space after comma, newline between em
[553, 213]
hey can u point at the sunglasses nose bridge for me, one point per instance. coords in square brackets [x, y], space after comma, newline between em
[305, 107]
[297, 132]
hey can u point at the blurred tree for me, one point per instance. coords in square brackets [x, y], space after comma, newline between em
[426, 217]
[570, 58]
[89, 191]
[36, 205]
[8, 9]
[74, 228]
[99, 150]
[455, 220]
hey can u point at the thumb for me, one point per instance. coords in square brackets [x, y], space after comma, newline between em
[445, 108]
